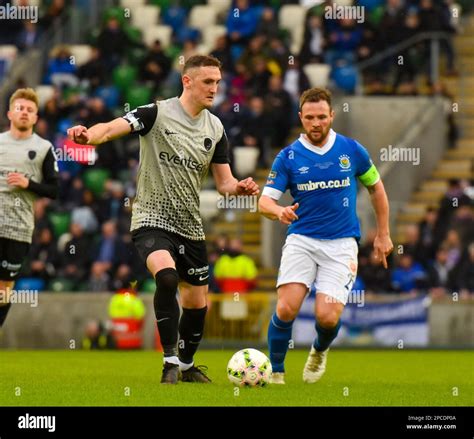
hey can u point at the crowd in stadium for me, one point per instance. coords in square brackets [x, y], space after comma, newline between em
[84, 235]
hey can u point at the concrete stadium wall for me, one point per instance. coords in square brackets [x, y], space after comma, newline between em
[60, 318]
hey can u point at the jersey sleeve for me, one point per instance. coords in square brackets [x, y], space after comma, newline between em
[142, 119]
[49, 186]
[221, 153]
[366, 171]
[278, 179]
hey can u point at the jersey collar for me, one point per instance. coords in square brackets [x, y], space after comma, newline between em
[321, 150]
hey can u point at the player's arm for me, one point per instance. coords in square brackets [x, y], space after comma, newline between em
[48, 186]
[270, 209]
[99, 133]
[371, 180]
[382, 244]
[226, 183]
[140, 121]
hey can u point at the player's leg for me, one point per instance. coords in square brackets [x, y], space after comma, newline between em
[290, 298]
[337, 261]
[297, 273]
[156, 248]
[12, 254]
[191, 330]
[193, 269]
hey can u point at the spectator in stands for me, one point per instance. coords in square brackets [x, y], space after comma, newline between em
[409, 276]
[156, 66]
[257, 128]
[85, 215]
[93, 74]
[122, 278]
[313, 41]
[112, 206]
[43, 256]
[466, 273]
[76, 258]
[112, 43]
[278, 102]
[453, 246]
[61, 72]
[429, 236]
[28, 37]
[54, 15]
[453, 198]
[111, 251]
[463, 223]
[441, 277]
[375, 277]
[235, 272]
[268, 24]
[97, 336]
[243, 24]
[413, 246]
[295, 82]
[221, 51]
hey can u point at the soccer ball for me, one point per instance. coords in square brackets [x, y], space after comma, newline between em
[249, 367]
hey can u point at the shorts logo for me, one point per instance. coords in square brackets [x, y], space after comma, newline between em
[207, 143]
[344, 162]
[353, 267]
[31, 154]
[199, 271]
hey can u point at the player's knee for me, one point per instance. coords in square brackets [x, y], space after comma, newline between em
[286, 311]
[327, 319]
[166, 286]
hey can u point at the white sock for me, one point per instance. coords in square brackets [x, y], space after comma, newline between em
[171, 360]
[185, 366]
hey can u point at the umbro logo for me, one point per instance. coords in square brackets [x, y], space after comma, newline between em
[168, 132]
[303, 170]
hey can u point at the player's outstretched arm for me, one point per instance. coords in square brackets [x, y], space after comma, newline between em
[226, 183]
[99, 133]
[382, 244]
[270, 209]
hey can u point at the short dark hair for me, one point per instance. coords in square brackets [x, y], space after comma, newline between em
[315, 94]
[201, 61]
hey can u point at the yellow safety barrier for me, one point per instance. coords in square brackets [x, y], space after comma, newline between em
[239, 316]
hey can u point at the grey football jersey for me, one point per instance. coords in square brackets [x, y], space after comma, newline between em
[16, 204]
[176, 151]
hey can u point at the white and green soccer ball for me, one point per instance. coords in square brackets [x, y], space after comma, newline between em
[249, 367]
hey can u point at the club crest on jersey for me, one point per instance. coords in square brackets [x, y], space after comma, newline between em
[31, 154]
[344, 162]
[207, 143]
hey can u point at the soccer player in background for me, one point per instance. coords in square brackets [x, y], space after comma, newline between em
[179, 140]
[320, 170]
[28, 169]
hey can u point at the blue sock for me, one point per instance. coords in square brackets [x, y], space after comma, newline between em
[279, 334]
[325, 336]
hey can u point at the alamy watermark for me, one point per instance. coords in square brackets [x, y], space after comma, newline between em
[20, 296]
[83, 155]
[237, 202]
[395, 154]
[12, 12]
[337, 12]
[355, 296]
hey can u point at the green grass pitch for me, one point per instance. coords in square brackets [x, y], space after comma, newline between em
[353, 378]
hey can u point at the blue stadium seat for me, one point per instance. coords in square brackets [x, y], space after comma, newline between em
[174, 17]
[110, 95]
[345, 78]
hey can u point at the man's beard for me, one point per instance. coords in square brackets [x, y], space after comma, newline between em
[321, 136]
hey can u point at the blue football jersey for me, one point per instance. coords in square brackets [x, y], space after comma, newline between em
[323, 181]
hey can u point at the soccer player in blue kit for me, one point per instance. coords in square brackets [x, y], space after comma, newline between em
[320, 170]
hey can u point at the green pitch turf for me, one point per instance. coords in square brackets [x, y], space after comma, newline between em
[353, 378]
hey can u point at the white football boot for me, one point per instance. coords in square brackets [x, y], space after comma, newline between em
[277, 378]
[315, 365]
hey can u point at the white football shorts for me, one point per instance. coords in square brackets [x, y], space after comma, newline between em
[330, 264]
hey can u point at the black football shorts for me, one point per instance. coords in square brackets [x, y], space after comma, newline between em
[189, 256]
[12, 255]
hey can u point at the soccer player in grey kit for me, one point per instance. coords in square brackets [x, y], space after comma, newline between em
[180, 139]
[28, 169]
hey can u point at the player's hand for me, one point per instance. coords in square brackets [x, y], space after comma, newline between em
[247, 187]
[18, 180]
[383, 247]
[79, 134]
[287, 214]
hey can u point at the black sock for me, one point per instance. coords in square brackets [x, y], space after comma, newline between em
[191, 328]
[167, 310]
[3, 313]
